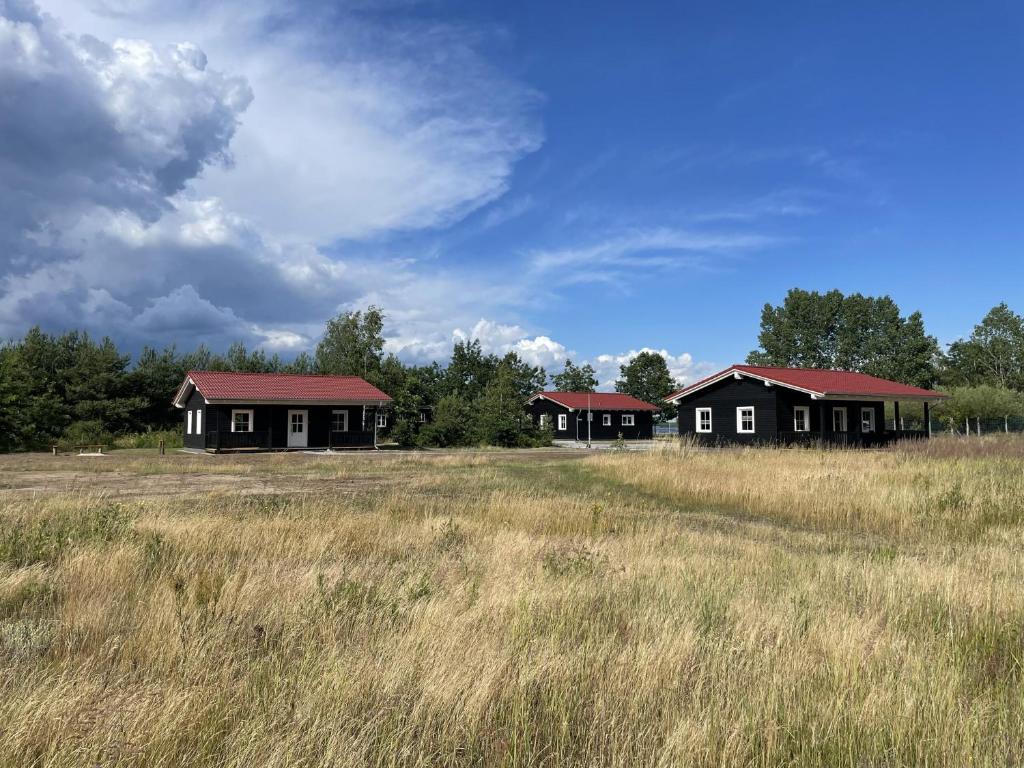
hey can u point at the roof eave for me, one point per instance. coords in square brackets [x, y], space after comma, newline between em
[296, 401]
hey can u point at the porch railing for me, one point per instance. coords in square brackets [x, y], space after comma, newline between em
[350, 439]
[227, 441]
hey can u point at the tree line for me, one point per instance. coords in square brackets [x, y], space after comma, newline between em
[73, 388]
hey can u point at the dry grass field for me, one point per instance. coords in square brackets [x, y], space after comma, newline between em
[748, 607]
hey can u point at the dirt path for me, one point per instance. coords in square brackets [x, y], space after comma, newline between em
[140, 474]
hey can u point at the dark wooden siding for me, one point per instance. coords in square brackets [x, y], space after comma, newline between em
[195, 403]
[774, 409]
[821, 412]
[642, 429]
[723, 398]
[270, 423]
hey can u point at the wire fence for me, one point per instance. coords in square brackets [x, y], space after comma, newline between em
[979, 426]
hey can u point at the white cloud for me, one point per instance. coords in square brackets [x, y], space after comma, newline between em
[87, 124]
[366, 120]
[682, 367]
[502, 339]
[122, 209]
[622, 255]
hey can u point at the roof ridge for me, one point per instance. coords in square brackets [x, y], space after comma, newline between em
[281, 373]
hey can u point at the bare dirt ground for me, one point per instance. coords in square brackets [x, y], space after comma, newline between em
[146, 474]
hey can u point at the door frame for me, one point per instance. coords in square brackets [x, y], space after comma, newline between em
[867, 409]
[292, 442]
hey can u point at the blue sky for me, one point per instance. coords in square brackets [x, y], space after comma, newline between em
[555, 178]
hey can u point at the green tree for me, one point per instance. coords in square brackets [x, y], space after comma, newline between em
[155, 379]
[11, 428]
[993, 354]
[500, 416]
[450, 426]
[353, 345]
[575, 379]
[854, 333]
[469, 371]
[646, 377]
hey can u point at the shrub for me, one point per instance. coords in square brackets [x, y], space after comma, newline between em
[80, 433]
[150, 439]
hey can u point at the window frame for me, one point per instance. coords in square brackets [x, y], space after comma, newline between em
[381, 420]
[631, 422]
[698, 412]
[806, 411]
[563, 422]
[739, 420]
[867, 409]
[846, 419]
[252, 419]
[606, 419]
[188, 422]
[199, 421]
[334, 414]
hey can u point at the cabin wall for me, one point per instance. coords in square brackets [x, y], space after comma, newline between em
[195, 403]
[723, 398]
[774, 408]
[274, 418]
[821, 412]
[642, 429]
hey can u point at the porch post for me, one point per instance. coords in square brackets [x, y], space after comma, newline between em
[927, 418]
[896, 415]
[821, 421]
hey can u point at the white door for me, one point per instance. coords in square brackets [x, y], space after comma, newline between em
[298, 423]
[867, 419]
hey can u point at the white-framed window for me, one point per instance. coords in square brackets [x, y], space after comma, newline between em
[339, 421]
[188, 422]
[628, 420]
[199, 421]
[563, 422]
[382, 419]
[423, 417]
[839, 419]
[543, 420]
[703, 419]
[745, 419]
[241, 421]
[606, 420]
[802, 418]
[867, 419]
[298, 422]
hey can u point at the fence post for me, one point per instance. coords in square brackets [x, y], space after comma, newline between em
[161, 446]
[967, 426]
[977, 422]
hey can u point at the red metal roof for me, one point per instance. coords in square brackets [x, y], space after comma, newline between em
[822, 382]
[270, 387]
[598, 401]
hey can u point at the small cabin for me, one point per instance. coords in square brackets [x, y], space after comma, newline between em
[227, 411]
[755, 404]
[582, 416]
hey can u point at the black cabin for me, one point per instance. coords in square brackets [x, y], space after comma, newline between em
[610, 415]
[224, 411]
[753, 404]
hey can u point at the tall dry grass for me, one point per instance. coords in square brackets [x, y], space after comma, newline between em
[678, 608]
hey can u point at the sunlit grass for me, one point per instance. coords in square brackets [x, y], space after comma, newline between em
[674, 608]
